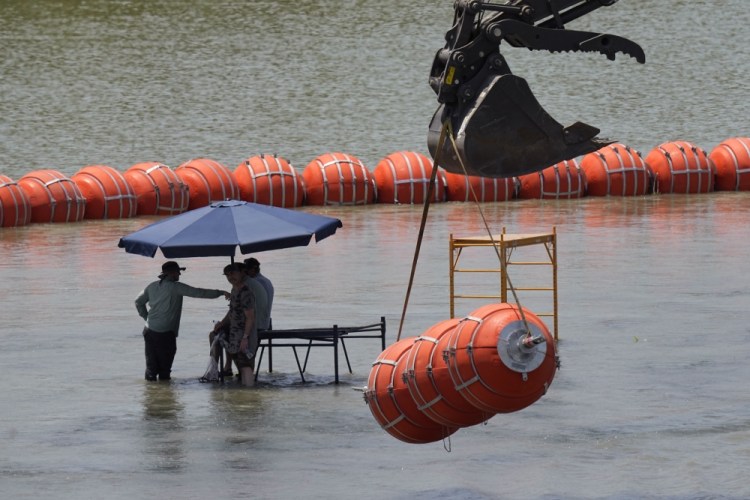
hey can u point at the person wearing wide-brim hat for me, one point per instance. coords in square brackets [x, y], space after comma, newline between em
[164, 300]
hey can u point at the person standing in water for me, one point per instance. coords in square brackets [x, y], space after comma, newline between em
[239, 327]
[262, 314]
[164, 300]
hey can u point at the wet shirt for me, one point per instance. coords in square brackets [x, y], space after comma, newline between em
[241, 300]
[164, 298]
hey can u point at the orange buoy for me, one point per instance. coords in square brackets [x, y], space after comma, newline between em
[269, 180]
[680, 167]
[15, 207]
[53, 197]
[404, 177]
[563, 180]
[338, 179]
[731, 161]
[498, 365]
[158, 189]
[429, 382]
[108, 195]
[390, 402]
[209, 181]
[474, 188]
[616, 170]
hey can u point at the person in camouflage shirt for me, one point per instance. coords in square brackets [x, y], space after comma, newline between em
[238, 327]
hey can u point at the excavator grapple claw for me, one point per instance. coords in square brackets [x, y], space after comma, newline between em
[497, 126]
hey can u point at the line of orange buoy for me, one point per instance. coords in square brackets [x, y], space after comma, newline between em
[460, 373]
[560, 181]
[270, 180]
[160, 191]
[152, 188]
[338, 179]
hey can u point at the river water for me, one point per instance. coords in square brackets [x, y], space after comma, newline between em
[652, 400]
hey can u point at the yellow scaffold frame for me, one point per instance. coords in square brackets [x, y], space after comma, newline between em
[505, 245]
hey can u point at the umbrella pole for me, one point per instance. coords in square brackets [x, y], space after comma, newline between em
[221, 351]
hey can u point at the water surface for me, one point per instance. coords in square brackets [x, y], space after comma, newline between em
[651, 401]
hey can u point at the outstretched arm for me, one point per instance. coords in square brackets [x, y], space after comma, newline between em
[199, 293]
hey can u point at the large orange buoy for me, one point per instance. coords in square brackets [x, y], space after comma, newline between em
[390, 402]
[53, 197]
[404, 177]
[731, 160]
[498, 365]
[680, 167]
[108, 195]
[338, 179]
[269, 180]
[209, 181]
[616, 170]
[158, 189]
[15, 207]
[560, 181]
[474, 188]
[429, 382]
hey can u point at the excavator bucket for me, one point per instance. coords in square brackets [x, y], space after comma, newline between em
[497, 127]
[506, 133]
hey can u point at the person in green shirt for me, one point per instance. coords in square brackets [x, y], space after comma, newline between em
[164, 300]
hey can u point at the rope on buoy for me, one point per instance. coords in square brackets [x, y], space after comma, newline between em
[487, 228]
[447, 129]
[447, 444]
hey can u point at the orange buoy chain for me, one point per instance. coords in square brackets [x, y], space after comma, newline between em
[681, 167]
[15, 207]
[158, 189]
[563, 180]
[423, 389]
[270, 180]
[401, 177]
[616, 170]
[338, 179]
[731, 161]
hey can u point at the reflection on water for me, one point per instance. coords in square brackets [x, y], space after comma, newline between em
[161, 402]
[236, 406]
[238, 415]
[163, 439]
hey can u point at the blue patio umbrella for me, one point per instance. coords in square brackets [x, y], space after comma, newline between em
[218, 229]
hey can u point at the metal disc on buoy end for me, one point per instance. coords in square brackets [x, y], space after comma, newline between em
[514, 353]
